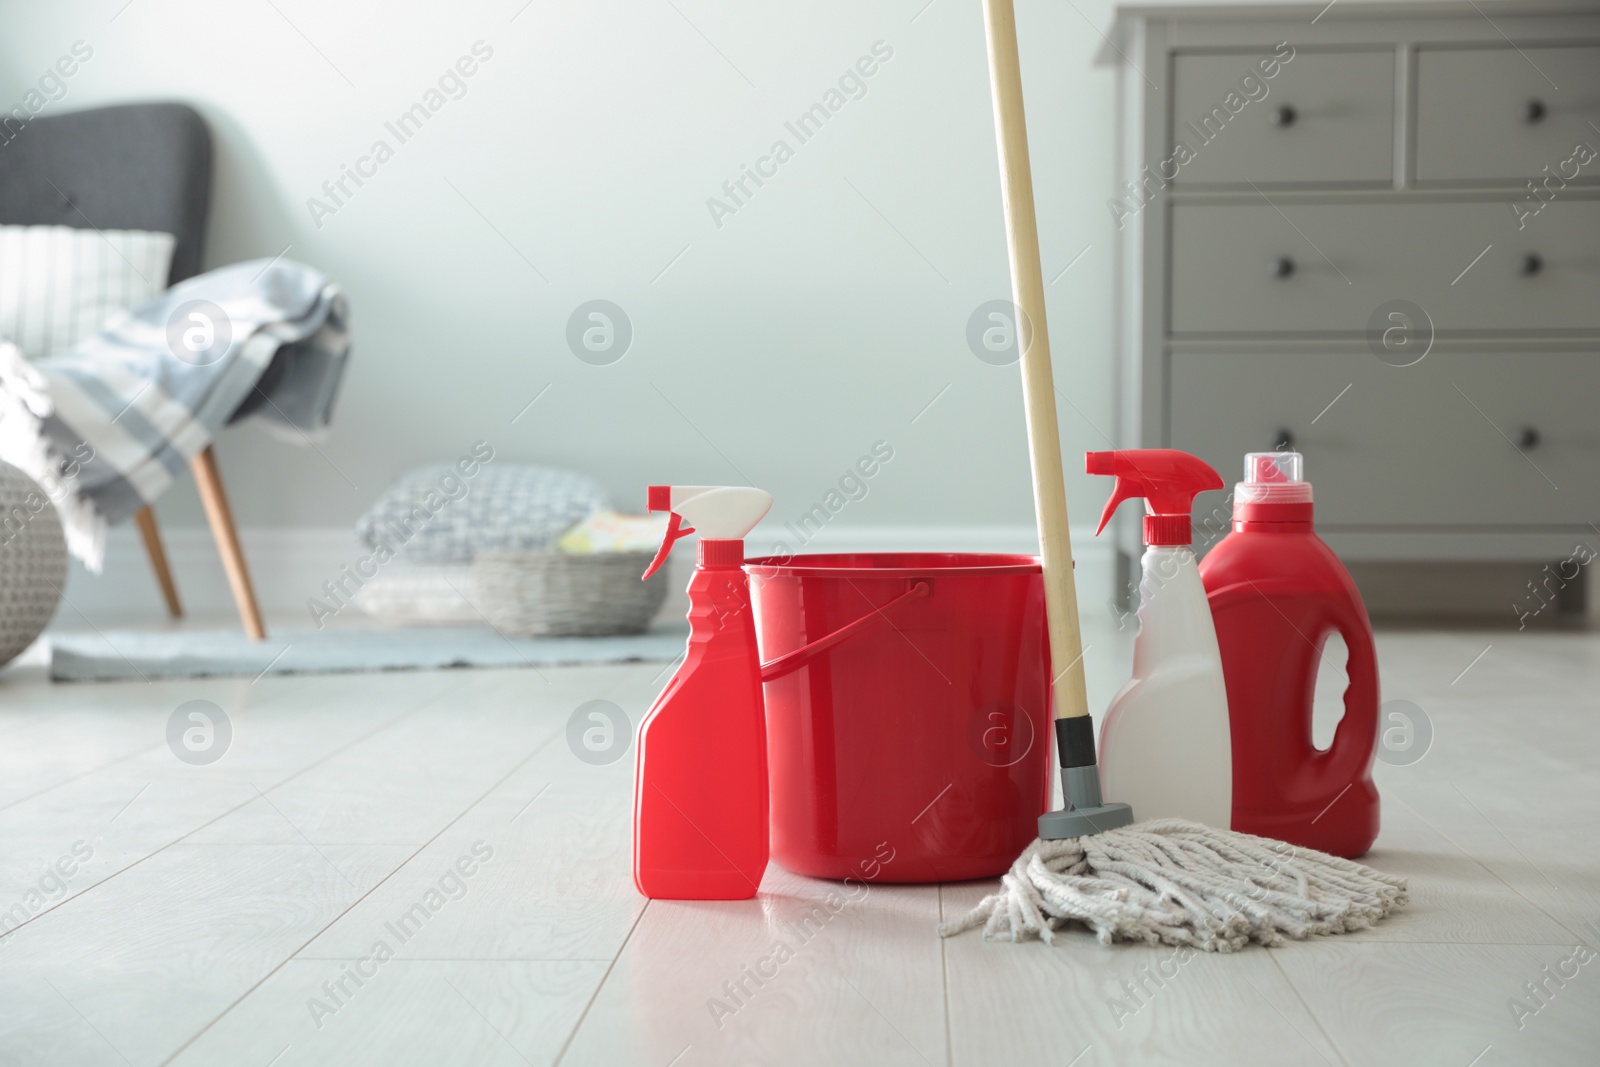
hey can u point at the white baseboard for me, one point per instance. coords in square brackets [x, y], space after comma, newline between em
[289, 565]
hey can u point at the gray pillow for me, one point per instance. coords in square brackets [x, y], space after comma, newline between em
[440, 514]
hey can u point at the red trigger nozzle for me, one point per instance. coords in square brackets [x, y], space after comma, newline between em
[1168, 480]
[675, 530]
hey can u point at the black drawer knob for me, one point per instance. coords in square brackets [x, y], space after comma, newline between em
[1283, 440]
[1531, 264]
[1528, 438]
[1534, 111]
[1284, 116]
[1282, 267]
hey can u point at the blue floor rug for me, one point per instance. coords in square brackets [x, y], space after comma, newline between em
[121, 655]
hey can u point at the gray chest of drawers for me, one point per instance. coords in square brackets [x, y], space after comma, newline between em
[1372, 231]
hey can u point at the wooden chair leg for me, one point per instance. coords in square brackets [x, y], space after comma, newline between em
[146, 520]
[220, 516]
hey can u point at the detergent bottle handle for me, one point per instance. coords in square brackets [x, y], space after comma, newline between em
[675, 530]
[1351, 752]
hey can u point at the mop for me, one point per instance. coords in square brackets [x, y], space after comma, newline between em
[1165, 881]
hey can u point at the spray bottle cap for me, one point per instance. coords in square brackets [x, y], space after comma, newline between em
[1168, 481]
[718, 512]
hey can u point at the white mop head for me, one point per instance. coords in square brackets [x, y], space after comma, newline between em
[1173, 882]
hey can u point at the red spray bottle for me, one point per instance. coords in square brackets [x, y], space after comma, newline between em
[700, 788]
[1277, 592]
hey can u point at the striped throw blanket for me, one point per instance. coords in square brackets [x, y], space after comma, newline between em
[107, 426]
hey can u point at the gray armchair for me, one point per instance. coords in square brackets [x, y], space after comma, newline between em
[134, 167]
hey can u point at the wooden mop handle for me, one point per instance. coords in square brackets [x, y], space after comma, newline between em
[1038, 386]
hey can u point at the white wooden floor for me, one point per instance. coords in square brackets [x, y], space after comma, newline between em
[210, 910]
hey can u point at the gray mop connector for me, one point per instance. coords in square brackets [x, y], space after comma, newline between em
[1085, 812]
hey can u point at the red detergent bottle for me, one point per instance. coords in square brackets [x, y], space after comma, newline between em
[1277, 592]
[700, 783]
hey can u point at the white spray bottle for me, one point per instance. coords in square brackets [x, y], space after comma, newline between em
[1166, 747]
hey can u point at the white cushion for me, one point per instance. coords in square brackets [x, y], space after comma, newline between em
[59, 285]
[433, 514]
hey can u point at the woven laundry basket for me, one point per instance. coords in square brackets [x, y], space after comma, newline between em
[33, 561]
[566, 594]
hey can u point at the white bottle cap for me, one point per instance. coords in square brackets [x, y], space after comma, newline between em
[1273, 478]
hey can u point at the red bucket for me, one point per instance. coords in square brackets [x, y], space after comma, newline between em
[908, 711]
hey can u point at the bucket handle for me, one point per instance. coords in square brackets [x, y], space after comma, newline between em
[793, 661]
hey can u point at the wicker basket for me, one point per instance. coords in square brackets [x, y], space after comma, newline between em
[33, 561]
[562, 594]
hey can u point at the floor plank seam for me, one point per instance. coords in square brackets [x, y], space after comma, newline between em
[76, 777]
[179, 840]
[85, 774]
[44, 718]
[944, 979]
[292, 844]
[625, 669]
[600, 985]
[465, 959]
[1315, 1018]
[1363, 942]
[374, 888]
[1491, 871]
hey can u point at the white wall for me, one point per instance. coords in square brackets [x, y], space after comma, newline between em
[805, 328]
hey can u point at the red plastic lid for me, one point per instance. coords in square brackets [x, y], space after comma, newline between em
[1167, 530]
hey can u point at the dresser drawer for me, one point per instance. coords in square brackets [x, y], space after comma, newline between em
[1325, 268]
[1421, 445]
[1323, 117]
[1493, 114]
